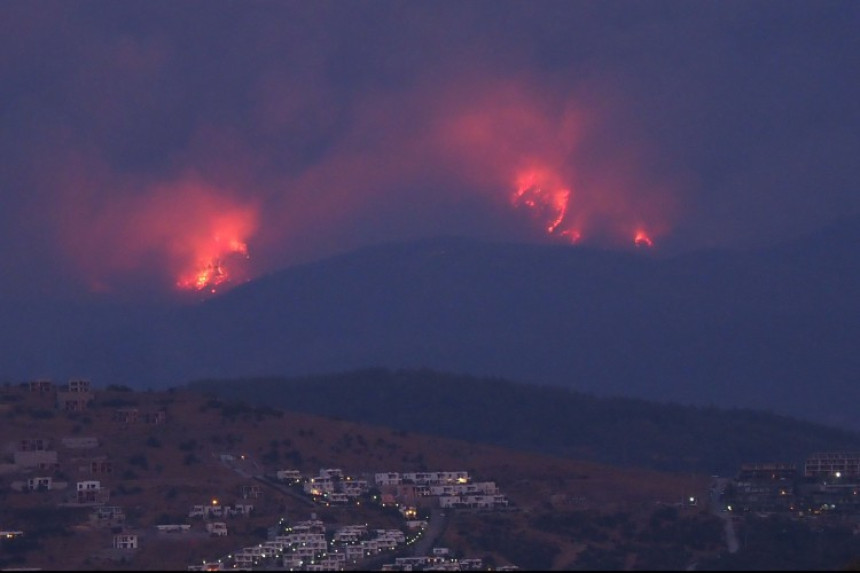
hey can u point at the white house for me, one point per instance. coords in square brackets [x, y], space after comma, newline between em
[173, 528]
[331, 473]
[217, 528]
[125, 541]
[389, 478]
[319, 486]
[39, 483]
[289, 475]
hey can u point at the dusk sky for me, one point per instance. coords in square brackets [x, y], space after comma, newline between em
[178, 144]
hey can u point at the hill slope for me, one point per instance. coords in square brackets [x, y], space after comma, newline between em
[773, 329]
[546, 419]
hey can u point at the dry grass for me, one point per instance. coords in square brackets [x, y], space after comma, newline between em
[182, 468]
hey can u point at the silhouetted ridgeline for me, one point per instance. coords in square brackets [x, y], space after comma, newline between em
[545, 419]
[772, 329]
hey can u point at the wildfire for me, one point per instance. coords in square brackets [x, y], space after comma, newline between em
[545, 195]
[210, 270]
[572, 235]
[642, 240]
[539, 191]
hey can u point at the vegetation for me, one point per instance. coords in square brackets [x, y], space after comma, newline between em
[567, 514]
[551, 420]
[781, 544]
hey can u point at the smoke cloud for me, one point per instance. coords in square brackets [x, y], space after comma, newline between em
[163, 147]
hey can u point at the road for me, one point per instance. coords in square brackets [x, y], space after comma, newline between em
[718, 509]
[436, 526]
[248, 468]
[284, 489]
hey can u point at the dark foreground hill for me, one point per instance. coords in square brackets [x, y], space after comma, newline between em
[546, 419]
[772, 329]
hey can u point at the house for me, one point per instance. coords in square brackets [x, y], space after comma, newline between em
[173, 528]
[80, 443]
[79, 385]
[33, 445]
[44, 460]
[840, 465]
[216, 528]
[41, 386]
[332, 473]
[39, 483]
[289, 475]
[107, 515]
[244, 509]
[354, 488]
[473, 501]
[252, 491]
[486, 488]
[73, 401]
[10, 534]
[385, 479]
[207, 566]
[336, 498]
[199, 511]
[90, 491]
[410, 493]
[475, 564]
[353, 552]
[100, 466]
[125, 541]
[349, 533]
[764, 487]
[319, 486]
[126, 415]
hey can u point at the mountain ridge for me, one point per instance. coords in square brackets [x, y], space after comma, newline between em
[772, 328]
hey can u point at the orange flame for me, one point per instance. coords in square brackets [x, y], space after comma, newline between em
[209, 269]
[539, 191]
[642, 239]
[193, 231]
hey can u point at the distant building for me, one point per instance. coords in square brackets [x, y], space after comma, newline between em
[44, 460]
[844, 465]
[39, 483]
[41, 386]
[125, 541]
[80, 443]
[253, 491]
[764, 487]
[126, 415]
[33, 445]
[79, 385]
[217, 528]
[90, 492]
[107, 515]
[73, 401]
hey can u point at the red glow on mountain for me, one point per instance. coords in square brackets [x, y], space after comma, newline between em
[187, 231]
[571, 235]
[547, 158]
[210, 268]
[642, 239]
[540, 191]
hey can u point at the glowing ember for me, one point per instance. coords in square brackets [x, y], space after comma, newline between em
[572, 235]
[642, 240]
[211, 272]
[538, 191]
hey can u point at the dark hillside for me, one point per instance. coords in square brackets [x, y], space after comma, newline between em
[546, 419]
